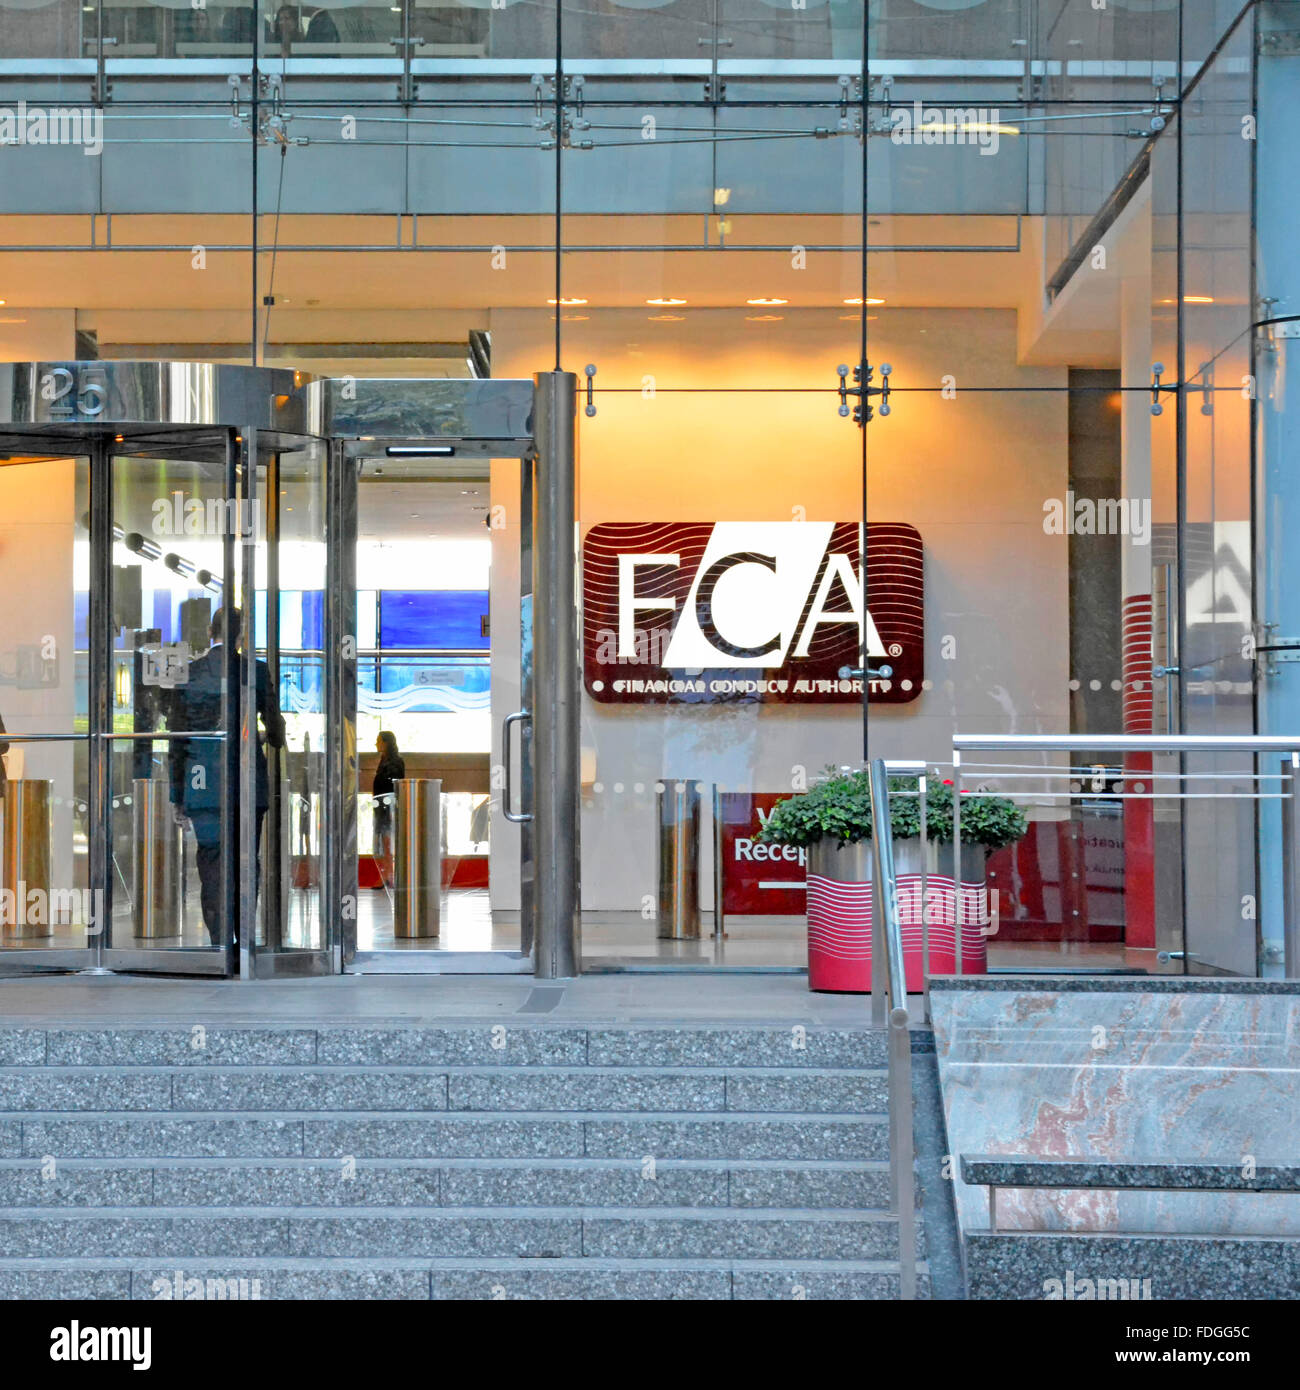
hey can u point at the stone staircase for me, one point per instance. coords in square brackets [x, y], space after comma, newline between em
[488, 1161]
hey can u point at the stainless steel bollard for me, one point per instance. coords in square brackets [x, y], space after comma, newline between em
[679, 861]
[26, 858]
[157, 856]
[273, 899]
[417, 857]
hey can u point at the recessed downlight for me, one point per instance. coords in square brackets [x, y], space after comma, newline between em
[762, 302]
[667, 302]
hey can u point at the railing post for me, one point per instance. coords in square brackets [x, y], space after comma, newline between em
[1291, 867]
[902, 1191]
[888, 973]
[879, 988]
[956, 860]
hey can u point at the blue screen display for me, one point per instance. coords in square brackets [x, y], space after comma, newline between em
[445, 619]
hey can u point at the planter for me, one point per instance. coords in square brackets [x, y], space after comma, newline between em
[839, 914]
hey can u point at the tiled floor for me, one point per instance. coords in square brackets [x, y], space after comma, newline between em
[608, 939]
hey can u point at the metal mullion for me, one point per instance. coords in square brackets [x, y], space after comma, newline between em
[342, 531]
[99, 703]
[235, 452]
[246, 674]
[275, 846]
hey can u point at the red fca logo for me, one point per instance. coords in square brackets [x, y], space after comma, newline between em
[782, 611]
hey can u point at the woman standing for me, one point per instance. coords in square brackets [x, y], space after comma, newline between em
[391, 769]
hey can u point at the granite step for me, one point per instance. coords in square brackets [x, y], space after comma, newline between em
[504, 1182]
[540, 1233]
[1086, 1268]
[495, 1279]
[384, 1134]
[375, 1088]
[495, 1044]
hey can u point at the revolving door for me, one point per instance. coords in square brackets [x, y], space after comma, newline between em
[180, 659]
[155, 815]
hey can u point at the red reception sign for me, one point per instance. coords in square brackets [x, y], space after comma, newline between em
[758, 879]
[742, 611]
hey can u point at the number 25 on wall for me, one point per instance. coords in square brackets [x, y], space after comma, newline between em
[72, 395]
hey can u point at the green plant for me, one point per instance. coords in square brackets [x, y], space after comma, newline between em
[838, 807]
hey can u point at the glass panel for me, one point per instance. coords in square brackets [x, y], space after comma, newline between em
[1277, 513]
[291, 640]
[1162, 617]
[52, 30]
[437, 590]
[1218, 616]
[44, 577]
[171, 524]
[712, 271]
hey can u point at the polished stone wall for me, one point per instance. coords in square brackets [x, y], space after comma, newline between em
[1132, 1070]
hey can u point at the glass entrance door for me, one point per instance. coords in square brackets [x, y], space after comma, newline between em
[175, 628]
[438, 633]
[219, 721]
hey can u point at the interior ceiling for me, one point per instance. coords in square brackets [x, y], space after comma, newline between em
[403, 508]
[615, 262]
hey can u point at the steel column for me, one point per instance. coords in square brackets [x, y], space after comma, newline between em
[340, 888]
[557, 944]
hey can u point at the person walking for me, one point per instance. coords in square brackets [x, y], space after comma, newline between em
[197, 764]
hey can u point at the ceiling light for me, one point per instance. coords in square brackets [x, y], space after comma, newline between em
[721, 197]
[869, 300]
[566, 301]
[665, 303]
[767, 301]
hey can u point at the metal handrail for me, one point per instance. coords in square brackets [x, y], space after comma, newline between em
[888, 966]
[1289, 772]
[1126, 743]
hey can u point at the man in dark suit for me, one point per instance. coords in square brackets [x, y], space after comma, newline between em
[197, 765]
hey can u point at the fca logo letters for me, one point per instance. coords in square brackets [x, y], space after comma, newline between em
[748, 595]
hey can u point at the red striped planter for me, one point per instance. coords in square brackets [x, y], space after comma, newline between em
[839, 914]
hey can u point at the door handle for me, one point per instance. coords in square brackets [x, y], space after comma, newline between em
[519, 717]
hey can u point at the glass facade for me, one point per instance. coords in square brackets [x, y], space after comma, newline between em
[865, 300]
